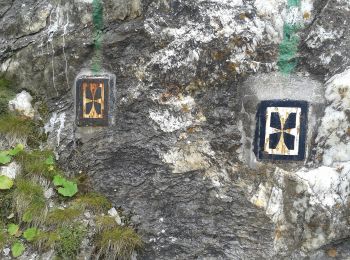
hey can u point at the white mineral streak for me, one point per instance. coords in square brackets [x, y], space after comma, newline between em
[168, 122]
[58, 20]
[270, 197]
[222, 16]
[334, 132]
[172, 118]
[319, 35]
[22, 104]
[327, 186]
[56, 124]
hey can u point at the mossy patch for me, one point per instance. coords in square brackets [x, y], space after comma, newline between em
[120, 241]
[6, 94]
[62, 217]
[69, 242]
[93, 201]
[15, 125]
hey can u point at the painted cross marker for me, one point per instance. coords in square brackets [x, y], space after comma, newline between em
[92, 96]
[281, 130]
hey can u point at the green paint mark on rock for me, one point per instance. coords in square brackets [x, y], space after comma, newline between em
[287, 59]
[97, 18]
[293, 3]
[288, 49]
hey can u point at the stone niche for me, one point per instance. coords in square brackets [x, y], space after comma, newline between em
[94, 99]
[280, 116]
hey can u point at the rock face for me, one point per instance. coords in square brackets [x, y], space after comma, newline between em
[178, 153]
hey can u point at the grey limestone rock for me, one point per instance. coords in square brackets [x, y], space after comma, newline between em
[178, 156]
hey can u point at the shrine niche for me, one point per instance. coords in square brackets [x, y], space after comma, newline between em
[281, 130]
[92, 101]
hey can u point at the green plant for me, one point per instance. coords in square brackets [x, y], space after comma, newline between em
[93, 201]
[6, 156]
[29, 201]
[62, 217]
[5, 182]
[65, 188]
[46, 240]
[118, 243]
[30, 234]
[69, 242]
[13, 229]
[37, 163]
[17, 249]
[22, 128]
[15, 125]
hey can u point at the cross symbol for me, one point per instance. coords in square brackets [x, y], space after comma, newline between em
[283, 131]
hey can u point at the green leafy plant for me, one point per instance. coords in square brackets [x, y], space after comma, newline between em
[36, 163]
[6, 156]
[27, 216]
[13, 229]
[50, 160]
[30, 234]
[17, 249]
[6, 183]
[65, 188]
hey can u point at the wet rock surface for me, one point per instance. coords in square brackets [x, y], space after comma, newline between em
[178, 153]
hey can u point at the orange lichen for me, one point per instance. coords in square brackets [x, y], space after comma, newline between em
[306, 15]
[332, 252]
